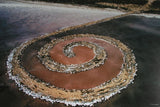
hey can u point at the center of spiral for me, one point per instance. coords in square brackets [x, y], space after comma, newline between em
[47, 56]
[82, 54]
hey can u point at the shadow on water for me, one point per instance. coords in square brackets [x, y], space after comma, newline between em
[140, 34]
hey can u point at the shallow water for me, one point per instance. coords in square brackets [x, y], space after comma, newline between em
[20, 22]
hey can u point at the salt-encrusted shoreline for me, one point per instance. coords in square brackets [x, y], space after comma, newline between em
[147, 15]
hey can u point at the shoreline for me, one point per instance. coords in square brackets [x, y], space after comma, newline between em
[103, 5]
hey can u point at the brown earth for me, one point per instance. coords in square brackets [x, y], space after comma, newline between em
[83, 54]
[82, 80]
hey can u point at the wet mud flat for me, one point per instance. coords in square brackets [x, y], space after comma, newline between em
[141, 34]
